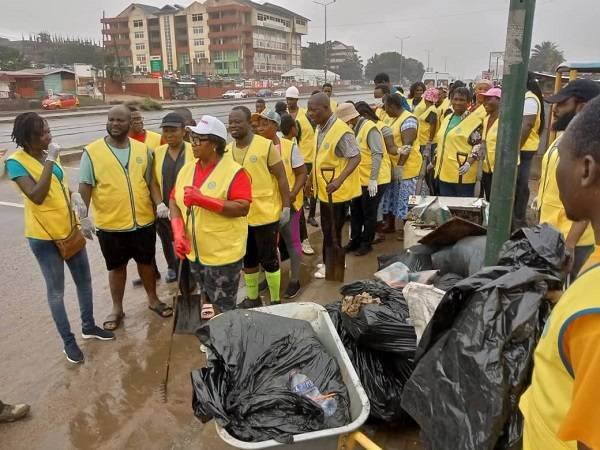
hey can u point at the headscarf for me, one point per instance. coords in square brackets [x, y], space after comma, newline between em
[431, 95]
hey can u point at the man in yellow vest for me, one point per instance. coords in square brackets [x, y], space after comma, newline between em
[327, 89]
[336, 148]
[115, 176]
[139, 133]
[560, 408]
[579, 236]
[270, 207]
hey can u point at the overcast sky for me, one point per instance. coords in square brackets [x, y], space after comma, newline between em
[459, 33]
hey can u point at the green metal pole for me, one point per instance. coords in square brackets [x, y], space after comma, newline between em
[516, 61]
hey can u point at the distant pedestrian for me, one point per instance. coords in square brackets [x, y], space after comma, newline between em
[51, 214]
[327, 89]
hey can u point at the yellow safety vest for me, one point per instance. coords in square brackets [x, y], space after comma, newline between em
[412, 166]
[266, 199]
[385, 169]
[382, 115]
[453, 143]
[333, 104]
[366, 161]
[216, 240]
[306, 144]
[490, 136]
[479, 112]
[533, 140]
[441, 111]
[159, 158]
[286, 147]
[546, 402]
[419, 108]
[152, 140]
[424, 126]
[121, 197]
[552, 210]
[55, 212]
[325, 157]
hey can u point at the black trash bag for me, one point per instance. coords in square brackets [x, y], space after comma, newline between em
[446, 281]
[246, 387]
[475, 357]
[385, 327]
[382, 375]
[417, 258]
[465, 257]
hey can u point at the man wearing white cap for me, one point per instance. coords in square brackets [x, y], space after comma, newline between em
[209, 205]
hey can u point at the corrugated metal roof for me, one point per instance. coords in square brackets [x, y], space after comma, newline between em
[34, 72]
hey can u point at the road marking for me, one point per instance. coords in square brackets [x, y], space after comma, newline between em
[14, 205]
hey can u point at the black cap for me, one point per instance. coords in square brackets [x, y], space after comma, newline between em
[173, 120]
[582, 89]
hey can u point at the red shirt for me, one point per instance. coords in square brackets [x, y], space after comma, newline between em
[240, 189]
[141, 137]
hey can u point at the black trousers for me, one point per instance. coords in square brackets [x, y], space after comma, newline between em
[363, 216]
[163, 229]
[337, 212]
[312, 201]
[522, 191]
[486, 184]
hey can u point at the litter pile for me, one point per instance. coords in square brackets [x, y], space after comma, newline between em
[268, 377]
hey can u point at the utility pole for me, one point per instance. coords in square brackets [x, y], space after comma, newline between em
[428, 60]
[325, 4]
[401, 39]
[516, 61]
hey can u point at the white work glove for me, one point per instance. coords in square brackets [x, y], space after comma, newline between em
[87, 227]
[284, 218]
[53, 152]
[78, 205]
[405, 150]
[464, 168]
[476, 151]
[397, 173]
[372, 188]
[534, 204]
[162, 211]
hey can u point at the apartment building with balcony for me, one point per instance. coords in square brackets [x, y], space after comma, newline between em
[231, 38]
[339, 52]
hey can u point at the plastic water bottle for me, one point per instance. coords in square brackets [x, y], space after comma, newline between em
[300, 384]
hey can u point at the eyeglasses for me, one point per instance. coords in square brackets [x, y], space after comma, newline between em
[196, 140]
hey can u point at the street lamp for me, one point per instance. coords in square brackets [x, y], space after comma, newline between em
[401, 39]
[325, 4]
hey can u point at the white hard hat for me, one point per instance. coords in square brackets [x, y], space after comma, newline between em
[292, 92]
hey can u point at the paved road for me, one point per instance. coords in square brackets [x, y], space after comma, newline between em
[72, 131]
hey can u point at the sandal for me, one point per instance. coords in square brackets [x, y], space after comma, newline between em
[162, 309]
[208, 311]
[113, 321]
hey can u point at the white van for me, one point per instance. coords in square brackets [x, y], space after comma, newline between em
[437, 79]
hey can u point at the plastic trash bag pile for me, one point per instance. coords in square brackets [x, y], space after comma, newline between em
[268, 377]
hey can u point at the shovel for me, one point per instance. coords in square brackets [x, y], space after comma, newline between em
[462, 158]
[482, 158]
[335, 255]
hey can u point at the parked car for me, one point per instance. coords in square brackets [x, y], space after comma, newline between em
[234, 94]
[60, 101]
[249, 92]
[264, 93]
[279, 93]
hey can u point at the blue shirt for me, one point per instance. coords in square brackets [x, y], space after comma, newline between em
[15, 170]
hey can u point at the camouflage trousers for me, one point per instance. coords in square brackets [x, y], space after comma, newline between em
[218, 283]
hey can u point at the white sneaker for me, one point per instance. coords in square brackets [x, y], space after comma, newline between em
[320, 274]
[306, 248]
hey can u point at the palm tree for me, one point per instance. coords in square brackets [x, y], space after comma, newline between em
[545, 57]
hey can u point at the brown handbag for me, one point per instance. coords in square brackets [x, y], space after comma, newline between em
[72, 244]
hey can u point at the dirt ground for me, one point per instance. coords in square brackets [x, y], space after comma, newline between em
[112, 401]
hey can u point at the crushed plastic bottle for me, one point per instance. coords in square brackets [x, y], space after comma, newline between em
[300, 384]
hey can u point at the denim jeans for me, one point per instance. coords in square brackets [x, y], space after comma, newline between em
[53, 270]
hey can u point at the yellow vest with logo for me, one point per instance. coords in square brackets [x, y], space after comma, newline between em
[152, 140]
[552, 210]
[159, 158]
[216, 240]
[55, 212]
[424, 126]
[412, 165]
[441, 112]
[385, 169]
[286, 155]
[366, 160]
[490, 136]
[121, 197]
[333, 104]
[452, 144]
[533, 140]
[266, 200]
[306, 144]
[325, 157]
[546, 402]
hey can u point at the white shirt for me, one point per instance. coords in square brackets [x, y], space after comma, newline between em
[531, 107]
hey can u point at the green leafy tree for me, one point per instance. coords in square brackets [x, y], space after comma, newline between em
[12, 59]
[351, 69]
[389, 62]
[545, 57]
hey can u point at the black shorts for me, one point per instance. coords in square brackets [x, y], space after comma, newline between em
[119, 247]
[261, 247]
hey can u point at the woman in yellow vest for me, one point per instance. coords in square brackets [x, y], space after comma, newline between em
[415, 98]
[208, 207]
[560, 408]
[491, 104]
[481, 87]
[35, 168]
[406, 166]
[459, 133]
[531, 129]
[428, 119]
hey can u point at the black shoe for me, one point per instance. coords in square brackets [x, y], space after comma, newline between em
[363, 250]
[292, 290]
[263, 286]
[312, 221]
[171, 276]
[351, 246]
[248, 303]
[137, 282]
[98, 333]
[73, 352]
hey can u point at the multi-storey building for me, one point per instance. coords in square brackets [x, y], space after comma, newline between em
[337, 53]
[226, 37]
